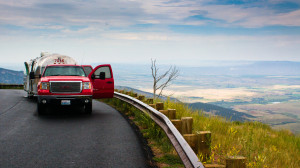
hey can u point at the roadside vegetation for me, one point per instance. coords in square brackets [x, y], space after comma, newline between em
[163, 151]
[262, 145]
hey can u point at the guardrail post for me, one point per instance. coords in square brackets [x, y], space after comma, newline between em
[150, 101]
[152, 105]
[159, 106]
[172, 113]
[236, 162]
[187, 125]
[178, 124]
[204, 144]
[141, 98]
[165, 112]
[191, 139]
[214, 166]
[134, 95]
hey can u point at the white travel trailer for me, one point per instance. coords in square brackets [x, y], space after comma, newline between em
[35, 67]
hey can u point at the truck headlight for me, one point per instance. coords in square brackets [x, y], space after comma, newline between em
[86, 85]
[44, 85]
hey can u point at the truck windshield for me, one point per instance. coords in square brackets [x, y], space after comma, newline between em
[64, 71]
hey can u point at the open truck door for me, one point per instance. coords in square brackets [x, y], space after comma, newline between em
[102, 80]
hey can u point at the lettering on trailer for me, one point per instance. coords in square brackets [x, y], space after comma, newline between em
[59, 61]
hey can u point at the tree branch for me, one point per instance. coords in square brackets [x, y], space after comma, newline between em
[171, 74]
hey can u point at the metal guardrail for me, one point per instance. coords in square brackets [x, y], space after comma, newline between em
[185, 152]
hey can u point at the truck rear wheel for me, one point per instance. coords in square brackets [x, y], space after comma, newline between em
[88, 108]
[40, 109]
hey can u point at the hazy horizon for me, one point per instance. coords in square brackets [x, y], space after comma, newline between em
[205, 63]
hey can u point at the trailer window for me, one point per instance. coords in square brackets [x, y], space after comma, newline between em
[64, 71]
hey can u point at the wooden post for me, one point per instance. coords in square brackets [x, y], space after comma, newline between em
[191, 139]
[172, 113]
[204, 144]
[159, 106]
[153, 106]
[134, 95]
[178, 124]
[141, 98]
[213, 166]
[236, 162]
[187, 125]
[165, 112]
[150, 101]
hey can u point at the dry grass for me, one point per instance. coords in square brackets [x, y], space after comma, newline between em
[262, 145]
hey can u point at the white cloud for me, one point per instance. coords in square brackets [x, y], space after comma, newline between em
[104, 27]
[120, 13]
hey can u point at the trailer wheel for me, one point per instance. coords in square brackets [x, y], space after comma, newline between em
[29, 96]
[40, 109]
[88, 108]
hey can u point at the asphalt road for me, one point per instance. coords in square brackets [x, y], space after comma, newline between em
[65, 138]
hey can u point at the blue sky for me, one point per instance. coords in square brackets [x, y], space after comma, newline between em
[183, 32]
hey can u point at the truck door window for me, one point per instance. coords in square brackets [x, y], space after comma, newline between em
[105, 69]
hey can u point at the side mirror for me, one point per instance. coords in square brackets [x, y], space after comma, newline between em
[102, 75]
[93, 76]
[31, 75]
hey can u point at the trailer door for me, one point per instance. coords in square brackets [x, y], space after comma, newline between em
[102, 81]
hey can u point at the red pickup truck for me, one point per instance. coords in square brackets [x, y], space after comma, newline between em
[72, 85]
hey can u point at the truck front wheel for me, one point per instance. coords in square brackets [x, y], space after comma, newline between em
[88, 108]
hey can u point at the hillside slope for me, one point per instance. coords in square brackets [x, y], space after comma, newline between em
[221, 111]
[10, 76]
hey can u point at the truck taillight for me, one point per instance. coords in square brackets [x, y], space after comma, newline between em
[86, 85]
[45, 86]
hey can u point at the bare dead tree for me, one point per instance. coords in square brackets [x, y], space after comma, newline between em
[160, 82]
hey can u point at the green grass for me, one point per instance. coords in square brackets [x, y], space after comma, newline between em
[258, 142]
[169, 159]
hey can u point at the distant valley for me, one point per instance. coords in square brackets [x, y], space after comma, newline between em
[208, 109]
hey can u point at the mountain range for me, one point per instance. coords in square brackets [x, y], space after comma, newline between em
[11, 77]
[259, 68]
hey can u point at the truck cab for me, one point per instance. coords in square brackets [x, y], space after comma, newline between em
[57, 80]
[69, 85]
